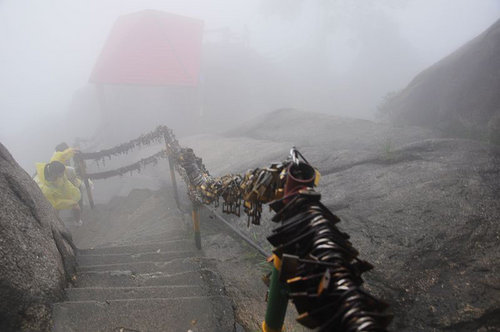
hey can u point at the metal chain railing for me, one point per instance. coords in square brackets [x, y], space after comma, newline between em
[314, 264]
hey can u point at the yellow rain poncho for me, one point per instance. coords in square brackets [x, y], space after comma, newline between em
[62, 194]
[63, 157]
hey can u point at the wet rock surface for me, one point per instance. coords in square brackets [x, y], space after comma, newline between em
[422, 209]
[36, 252]
[429, 223]
[458, 94]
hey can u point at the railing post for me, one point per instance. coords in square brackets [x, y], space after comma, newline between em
[171, 165]
[278, 291]
[277, 300]
[83, 174]
[196, 225]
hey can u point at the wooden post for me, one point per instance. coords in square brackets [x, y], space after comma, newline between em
[83, 173]
[196, 226]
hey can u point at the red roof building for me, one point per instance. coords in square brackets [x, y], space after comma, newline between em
[151, 48]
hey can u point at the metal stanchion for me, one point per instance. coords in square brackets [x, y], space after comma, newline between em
[83, 173]
[277, 300]
[299, 175]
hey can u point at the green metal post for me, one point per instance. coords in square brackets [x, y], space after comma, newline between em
[277, 300]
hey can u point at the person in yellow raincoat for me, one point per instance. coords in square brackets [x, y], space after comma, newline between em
[58, 190]
[63, 154]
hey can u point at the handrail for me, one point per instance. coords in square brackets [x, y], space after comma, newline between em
[240, 234]
[314, 264]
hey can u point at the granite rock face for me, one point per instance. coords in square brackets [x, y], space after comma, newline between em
[458, 94]
[427, 216]
[423, 209]
[36, 251]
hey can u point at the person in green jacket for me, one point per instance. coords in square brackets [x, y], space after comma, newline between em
[59, 191]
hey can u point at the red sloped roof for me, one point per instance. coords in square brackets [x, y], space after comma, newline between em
[151, 48]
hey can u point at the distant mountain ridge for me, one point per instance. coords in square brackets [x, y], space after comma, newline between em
[459, 95]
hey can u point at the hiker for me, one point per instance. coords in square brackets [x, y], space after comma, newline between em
[63, 154]
[58, 190]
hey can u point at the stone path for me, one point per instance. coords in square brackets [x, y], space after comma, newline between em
[160, 284]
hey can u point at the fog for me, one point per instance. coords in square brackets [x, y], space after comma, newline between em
[336, 57]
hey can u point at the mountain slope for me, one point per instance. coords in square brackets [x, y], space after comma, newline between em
[459, 94]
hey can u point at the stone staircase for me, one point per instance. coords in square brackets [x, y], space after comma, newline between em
[160, 284]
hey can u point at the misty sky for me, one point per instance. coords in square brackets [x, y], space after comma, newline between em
[49, 47]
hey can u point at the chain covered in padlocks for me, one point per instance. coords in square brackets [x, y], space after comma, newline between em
[258, 186]
[321, 268]
[318, 263]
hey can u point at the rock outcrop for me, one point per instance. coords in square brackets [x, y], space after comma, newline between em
[36, 251]
[423, 210]
[427, 216]
[459, 94]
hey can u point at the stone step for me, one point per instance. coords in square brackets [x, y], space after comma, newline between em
[176, 232]
[164, 236]
[198, 314]
[120, 293]
[101, 259]
[172, 266]
[129, 279]
[163, 246]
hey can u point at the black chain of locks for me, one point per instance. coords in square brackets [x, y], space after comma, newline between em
[319, 264]
[322, 269]
[135, 167]
[156, 136]
[256, 187]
